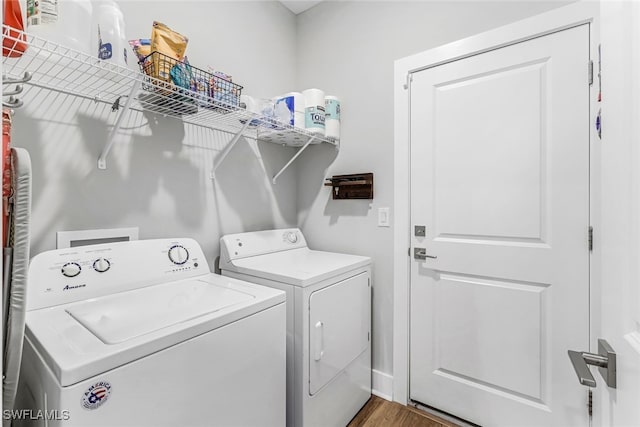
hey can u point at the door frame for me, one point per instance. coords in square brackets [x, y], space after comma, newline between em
[565, 17]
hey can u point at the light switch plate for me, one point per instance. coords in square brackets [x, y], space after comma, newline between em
[383, 217]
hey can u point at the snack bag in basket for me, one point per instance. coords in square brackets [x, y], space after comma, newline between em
[171, 45]
[221, 88]
[142, 49]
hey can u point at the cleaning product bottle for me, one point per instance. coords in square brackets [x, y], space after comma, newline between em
[108, 34]
[66, 22]
[332, 117]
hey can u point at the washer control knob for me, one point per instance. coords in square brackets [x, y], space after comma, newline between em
[178, 254]
[291, 236]
[71, 269]
[101, 265]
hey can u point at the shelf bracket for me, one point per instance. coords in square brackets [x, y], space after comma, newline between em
[228, 149]
[102, 160]
[304, 147]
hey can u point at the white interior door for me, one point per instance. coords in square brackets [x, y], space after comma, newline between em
[500, 180]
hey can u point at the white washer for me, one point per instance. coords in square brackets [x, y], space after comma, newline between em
[328, 320]
[143, 334]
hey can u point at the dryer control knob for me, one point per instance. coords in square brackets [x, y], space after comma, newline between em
[101, 265]
[291, 236]
[178, 254]
[71, 269]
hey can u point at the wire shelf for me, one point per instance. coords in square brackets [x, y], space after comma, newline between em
[190, 80]
[68, 71]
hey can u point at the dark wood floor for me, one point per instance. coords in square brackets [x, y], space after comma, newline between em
[382, 413]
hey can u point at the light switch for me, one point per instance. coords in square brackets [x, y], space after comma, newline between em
[383, 217]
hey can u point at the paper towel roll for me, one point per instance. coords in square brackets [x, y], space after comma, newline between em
[332, 117]
[314, 111]
[289, 108]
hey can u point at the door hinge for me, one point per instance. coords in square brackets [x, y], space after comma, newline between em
[409, 80]
[409, 251]
[368, 336]
[590, 238]
[590, 404]
[590, 72]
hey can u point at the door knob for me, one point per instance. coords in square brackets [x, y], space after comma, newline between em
[421, 253]
[605, 360]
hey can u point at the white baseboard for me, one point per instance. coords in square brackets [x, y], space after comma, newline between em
[382, 385]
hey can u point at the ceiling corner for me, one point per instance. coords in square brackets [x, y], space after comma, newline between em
[299, 6]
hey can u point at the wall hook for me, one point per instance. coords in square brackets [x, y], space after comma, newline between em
[25, 78]
[12, 102]
[15, 91]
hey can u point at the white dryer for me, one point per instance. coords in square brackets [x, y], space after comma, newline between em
[143, 334]
[328, 320]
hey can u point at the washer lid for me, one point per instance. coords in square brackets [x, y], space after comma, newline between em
[121, 317]
[83, 339]
[298, 267]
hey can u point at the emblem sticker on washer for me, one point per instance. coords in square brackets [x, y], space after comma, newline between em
[96, 395]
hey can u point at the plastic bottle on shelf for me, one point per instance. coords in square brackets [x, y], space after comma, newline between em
[66, 22]
[332, 117]
[108, 38]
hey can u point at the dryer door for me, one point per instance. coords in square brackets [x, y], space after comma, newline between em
[339, 326]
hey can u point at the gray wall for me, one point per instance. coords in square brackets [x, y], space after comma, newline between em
[158, 171]
[348, 48]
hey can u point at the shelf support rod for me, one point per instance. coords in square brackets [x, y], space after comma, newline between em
[304, 147]
[102, 160]
[220, 158]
